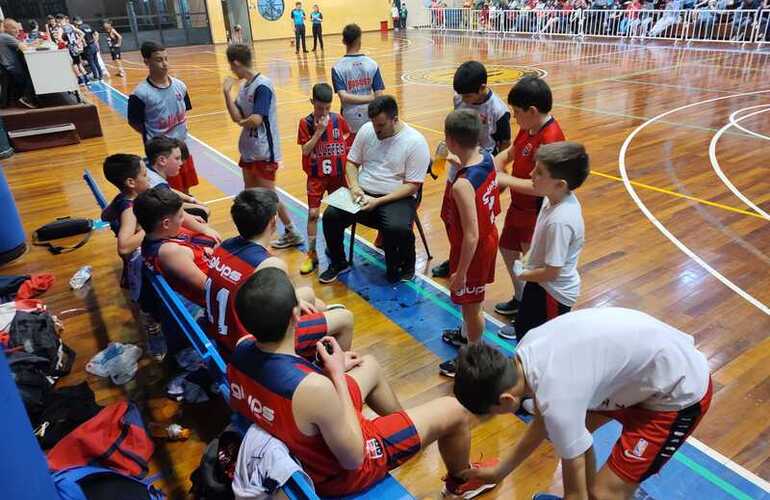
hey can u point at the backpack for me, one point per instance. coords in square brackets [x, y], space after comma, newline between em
[115, 438]
[213, 478]
[36, 333]
[101, 483]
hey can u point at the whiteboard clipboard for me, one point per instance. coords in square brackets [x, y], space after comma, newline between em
[343, 200]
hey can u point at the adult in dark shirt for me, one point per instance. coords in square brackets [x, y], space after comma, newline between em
[12, 62]
[91, 49]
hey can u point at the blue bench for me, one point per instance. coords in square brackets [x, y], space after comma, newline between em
[297, 488]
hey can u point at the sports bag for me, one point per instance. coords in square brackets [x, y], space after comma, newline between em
[62, 227]
[101, 483]
[115, 438]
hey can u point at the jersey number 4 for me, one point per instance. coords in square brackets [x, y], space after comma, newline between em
[221, 307]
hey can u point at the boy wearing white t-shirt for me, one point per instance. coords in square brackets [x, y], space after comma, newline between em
[584, 369]
[552, 282]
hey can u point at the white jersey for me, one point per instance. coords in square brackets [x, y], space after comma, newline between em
[358, 75]
[607, 359]
[160, 110]
[262, 143]
[557, 241]
[491, 112]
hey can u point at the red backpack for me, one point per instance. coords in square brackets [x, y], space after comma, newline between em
[115, 438]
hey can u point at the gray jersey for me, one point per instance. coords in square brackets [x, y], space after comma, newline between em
[359, 75]
[491, 111]
[160, 111]
[262, 143]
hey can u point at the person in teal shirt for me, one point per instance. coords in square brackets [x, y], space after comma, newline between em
[298, 19]
[316, 17]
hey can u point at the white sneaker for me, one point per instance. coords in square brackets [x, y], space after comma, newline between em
[289, 239]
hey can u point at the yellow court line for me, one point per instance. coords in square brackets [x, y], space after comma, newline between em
[651, 188]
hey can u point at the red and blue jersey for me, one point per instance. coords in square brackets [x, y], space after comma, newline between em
[194, 241]
[483, 178]
[331, 151]
[229, 267]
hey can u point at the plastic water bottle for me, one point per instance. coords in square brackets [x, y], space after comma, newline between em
[80, 278]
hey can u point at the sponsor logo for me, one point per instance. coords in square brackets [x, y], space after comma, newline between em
[496, 74]
[471, 290]
[254, 405]
[224, 270]
[374, 449]
[640, 447]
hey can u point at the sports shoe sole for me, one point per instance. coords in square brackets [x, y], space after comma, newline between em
[506, 312]
[447, 374]
[281, 246]
[468, 494]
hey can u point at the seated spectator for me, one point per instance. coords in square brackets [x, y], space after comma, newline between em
[254, 213]
[179, 255]
[316, 409]
[669, 18]
[12, 61]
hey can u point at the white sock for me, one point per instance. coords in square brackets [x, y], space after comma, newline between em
[464, 331]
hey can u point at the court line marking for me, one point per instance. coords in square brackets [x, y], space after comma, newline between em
[655, 222]
[668, 85]
[216, 200]
[735, 123]
[738, 469]
[715, 161]
[649, 187]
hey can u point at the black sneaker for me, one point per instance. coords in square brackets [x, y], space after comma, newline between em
[454, 337]
[332, 272]
[448, 368]
[441, 270]
[508, 332]
[507, 308]
[407, 275]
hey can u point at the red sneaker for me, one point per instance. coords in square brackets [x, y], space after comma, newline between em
[472, 488]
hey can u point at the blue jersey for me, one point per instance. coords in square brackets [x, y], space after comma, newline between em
[359, 75]
[262, 143]
[114, 211]
[160, 110]
[298, 15]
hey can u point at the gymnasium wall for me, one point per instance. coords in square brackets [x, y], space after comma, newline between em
[216, 21]
[337, 13]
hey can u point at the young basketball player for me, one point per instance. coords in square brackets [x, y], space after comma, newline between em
[181, 256]
[468, 211]
[316, 409]
[584, 369]
[323, 136]
[73, 39]
[254, 214]
[550, 276]
[356, 79]
[158, 106]
[165, 157]
[255, 110]
[471, 92]
[114, 41]
[531, 101]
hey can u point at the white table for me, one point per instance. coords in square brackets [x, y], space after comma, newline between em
[51, 71]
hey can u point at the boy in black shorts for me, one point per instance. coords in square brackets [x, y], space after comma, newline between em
[114, 41]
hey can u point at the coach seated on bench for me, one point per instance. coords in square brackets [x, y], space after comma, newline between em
[12, 62]
[316, 411]
[385, 169]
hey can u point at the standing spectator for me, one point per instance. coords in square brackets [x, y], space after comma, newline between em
[403, 13]
[114, 41]
[385, 169]
[298, 19]
[317, 18]
[395, 13]
[356, 79]
[158, 106]
[743, 18]
[10, 60]
[91, 49]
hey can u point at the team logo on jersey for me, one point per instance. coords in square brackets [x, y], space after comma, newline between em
[640, 447]
[526, 150]
[336, 134]
[374, 449]
[496, 74]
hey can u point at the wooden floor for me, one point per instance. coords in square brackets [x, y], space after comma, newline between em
[702, 264]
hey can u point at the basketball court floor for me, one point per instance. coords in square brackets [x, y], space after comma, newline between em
[676, 212]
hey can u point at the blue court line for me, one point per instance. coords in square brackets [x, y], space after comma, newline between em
[423, 310]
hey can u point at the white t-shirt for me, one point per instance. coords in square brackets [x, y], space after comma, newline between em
[557, 242]
[155, 178]
[607, 359]
[386, 165]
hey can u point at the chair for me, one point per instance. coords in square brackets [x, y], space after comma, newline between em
[100, 199]
[416, 221]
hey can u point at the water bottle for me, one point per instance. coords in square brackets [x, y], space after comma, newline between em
[80, 278]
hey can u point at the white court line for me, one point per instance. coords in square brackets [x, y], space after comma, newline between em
[647, 213]
[667, 85]
[735, 123]
[715, 162]
[737, 468]
[215, 200]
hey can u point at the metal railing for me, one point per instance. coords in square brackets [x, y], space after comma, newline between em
[702, 25]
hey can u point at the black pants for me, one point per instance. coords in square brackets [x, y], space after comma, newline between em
[318, 36]
[93, 62]
[299, 34]
[394, 221]
[536, 308]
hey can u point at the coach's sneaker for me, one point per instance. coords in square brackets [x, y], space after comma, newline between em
[441, 270]
[471, 488]
[545, 496]
[288, 239]
[454, 337]
[332, 272]
[448, 369]
[507, 308]
[508, 332]
[310, 264]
